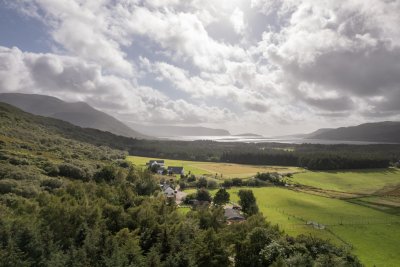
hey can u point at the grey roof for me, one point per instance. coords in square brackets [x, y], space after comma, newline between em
[169, 191]
[175, 169]
[159, 161]
[231, 214]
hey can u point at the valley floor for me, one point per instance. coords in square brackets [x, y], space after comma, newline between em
[358, 209]
[373, 235]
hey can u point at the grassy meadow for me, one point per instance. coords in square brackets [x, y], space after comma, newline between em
[372, 234]
[356, 181]
[216, 169]
[368, 224]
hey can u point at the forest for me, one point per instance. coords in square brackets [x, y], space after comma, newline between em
[67, 202]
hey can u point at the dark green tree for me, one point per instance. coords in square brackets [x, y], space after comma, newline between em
[221, 197]
[203, 195]
[208, 250]
[248, 202]
[202, 183]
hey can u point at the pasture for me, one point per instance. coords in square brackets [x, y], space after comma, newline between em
[373, 235]
[355, 181]
[216, 169]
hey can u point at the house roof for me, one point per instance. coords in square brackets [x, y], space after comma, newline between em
[169, 191]
[158, 161]
[175, 169]
[233, 215]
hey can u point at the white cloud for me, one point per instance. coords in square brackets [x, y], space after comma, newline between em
[237, 21]
[158, 60]
[72, 79]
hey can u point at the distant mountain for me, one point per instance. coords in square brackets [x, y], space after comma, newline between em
[317, 132]
[170, 131]
[79, 113]
[387, 131]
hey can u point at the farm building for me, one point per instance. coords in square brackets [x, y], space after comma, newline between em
[159, 162]
[175, 170]
[169, 192]
[233, 215]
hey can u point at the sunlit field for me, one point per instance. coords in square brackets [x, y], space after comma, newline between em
[369, 225]
[357, 181]
[217, 170]
[373, 235]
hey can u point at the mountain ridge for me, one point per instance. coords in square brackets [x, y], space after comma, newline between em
[385, 131]
[78, 113]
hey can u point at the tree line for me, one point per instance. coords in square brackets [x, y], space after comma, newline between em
[312, 161]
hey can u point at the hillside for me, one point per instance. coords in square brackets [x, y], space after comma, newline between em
[79, 113]
[316, 133]
[388, 131]
[34, 123]
[171, 131]
[65, 202]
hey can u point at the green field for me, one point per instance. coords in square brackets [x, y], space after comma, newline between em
[374, 235]
[216, 169]
[366, 221]
[357, 181]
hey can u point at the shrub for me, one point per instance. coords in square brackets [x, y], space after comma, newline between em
[237, 182]
[211, 184]
[202, 182]
[71, 171]
[203, 195]
[191, 178]
[3, 156]
[51, 183]
[8, 171]
[189, 197]
[227, 183]
[51, 169]
[107, 173]
[18, 161]
[123, 163]
[26, 190]
[7, 186]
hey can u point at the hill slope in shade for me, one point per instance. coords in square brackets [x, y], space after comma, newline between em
[67, 130]
[168, 130]
[388, 131]
[79, 113]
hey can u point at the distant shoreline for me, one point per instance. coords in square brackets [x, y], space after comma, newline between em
[261, 139]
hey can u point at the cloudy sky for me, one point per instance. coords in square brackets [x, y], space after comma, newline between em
[265, 66]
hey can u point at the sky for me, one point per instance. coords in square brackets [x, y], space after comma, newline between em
[270, 67]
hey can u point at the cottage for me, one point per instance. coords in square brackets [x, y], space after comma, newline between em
[159, 162]
[233, 215]
[160, 170]
[169, 192]
[175, 170]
